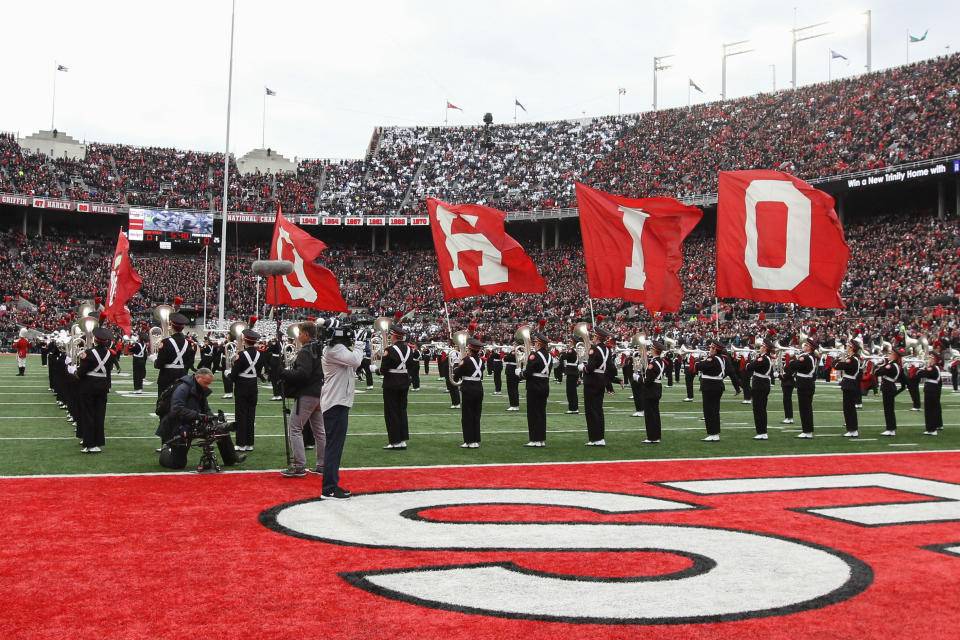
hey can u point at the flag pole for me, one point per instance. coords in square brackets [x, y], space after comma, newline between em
[446, 112]
[446, 312]
[716, 315]
[514, 111]
[257, 303]
[226, 175]
[206, 256]
[590, 302]
[53, 106]
[263, 122]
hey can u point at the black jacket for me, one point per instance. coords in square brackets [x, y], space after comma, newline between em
[189, 401]
[305, 377]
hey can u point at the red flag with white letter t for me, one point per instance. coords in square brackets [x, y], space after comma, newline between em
[632, 246]
[124, 282]
[475, 256]
[310, 285]
[778, 240]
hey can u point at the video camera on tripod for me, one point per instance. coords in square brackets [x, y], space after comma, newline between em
[203, 433]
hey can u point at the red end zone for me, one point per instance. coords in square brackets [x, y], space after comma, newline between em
[825, 547]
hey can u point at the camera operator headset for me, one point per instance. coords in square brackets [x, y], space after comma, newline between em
[189, 410]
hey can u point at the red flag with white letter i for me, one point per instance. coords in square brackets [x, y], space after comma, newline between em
[475, 256]
[632, 246]
[778, 240]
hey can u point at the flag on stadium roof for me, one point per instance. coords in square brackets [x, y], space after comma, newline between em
[632, 246]
[450, 105]
[921, 38]
[694, 85]
[270, 92]
[517, 102]
[834, 55]
[60, 67]
[778, 240]
[622, 91]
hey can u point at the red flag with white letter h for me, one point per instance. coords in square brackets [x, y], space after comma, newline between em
[778, 240]
[632, 246]
[310, 285]
[475, 256]
[124, 282]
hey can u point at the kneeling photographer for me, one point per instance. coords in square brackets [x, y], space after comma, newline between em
[189, 418]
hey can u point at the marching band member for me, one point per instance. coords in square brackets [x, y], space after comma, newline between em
[932, 385]
[635, 378]
[571, 370]
[668, 358]
[396, 388]
[175, 356]
[890, 375]
[594, 386]
[787, 383]
[712, 371]
[689, 374]
[451, 359]
[537, 376]
[94, 374]
[804, 367]
[206, 353]
[470, 372]
[653, 391]
[274, 366]
[510, 365]
[138, 351]
[849, 369]
[415, 357]
[247, 369]
[761, 372]
[495, 366]
[913, 387]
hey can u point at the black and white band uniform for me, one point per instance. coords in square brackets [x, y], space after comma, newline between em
[93, 371]
[470, 374]
[849, 370]
[635, 378]
[932, 386]
[890, 375]
[175, 356]
[138, 352]
[247, 370]
[804, 370]
[513, 382]
[394, 367]
[495, 366]
[206, 354]
[536, 374]
[414, 366]
[594, 386]
[712, 370]
[569, 361]
[652, 378]
[761, 373]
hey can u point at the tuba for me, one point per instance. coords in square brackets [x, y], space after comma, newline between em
[161, 333]
[582, 331]
[460, 342]
[292, 348]
[75, 343]
[234, 346]
[381, 340]
[641, 344]
[522, 334]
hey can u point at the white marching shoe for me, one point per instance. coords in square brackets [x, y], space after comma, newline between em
[714, 438]
[888, 433]
[746, 402]
[787, 421]
[761, 436]
[637, 414]
[651, 442]
[804, 434]
[536, 443]
[688, 399]
[596, 443]
[851, 434]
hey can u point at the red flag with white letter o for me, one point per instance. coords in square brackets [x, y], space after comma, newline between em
[778, 240]
[475, 256]
[632, 246]
[310, 285]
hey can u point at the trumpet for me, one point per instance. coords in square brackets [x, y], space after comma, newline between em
[161, 333]
[582, 331]
[292, 348]
[460, 342]
[232, 348]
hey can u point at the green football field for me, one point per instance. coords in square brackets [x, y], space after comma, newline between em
[35, 437]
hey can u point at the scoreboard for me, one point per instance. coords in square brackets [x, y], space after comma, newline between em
[167, 227]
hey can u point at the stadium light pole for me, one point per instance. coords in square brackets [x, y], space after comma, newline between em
[799, 35]
[730, 49]
[226, 174]
[658, 65]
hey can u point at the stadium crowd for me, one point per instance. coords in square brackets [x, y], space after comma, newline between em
[866, 122]
[902, 275]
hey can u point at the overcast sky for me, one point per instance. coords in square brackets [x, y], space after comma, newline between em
[155, 73]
